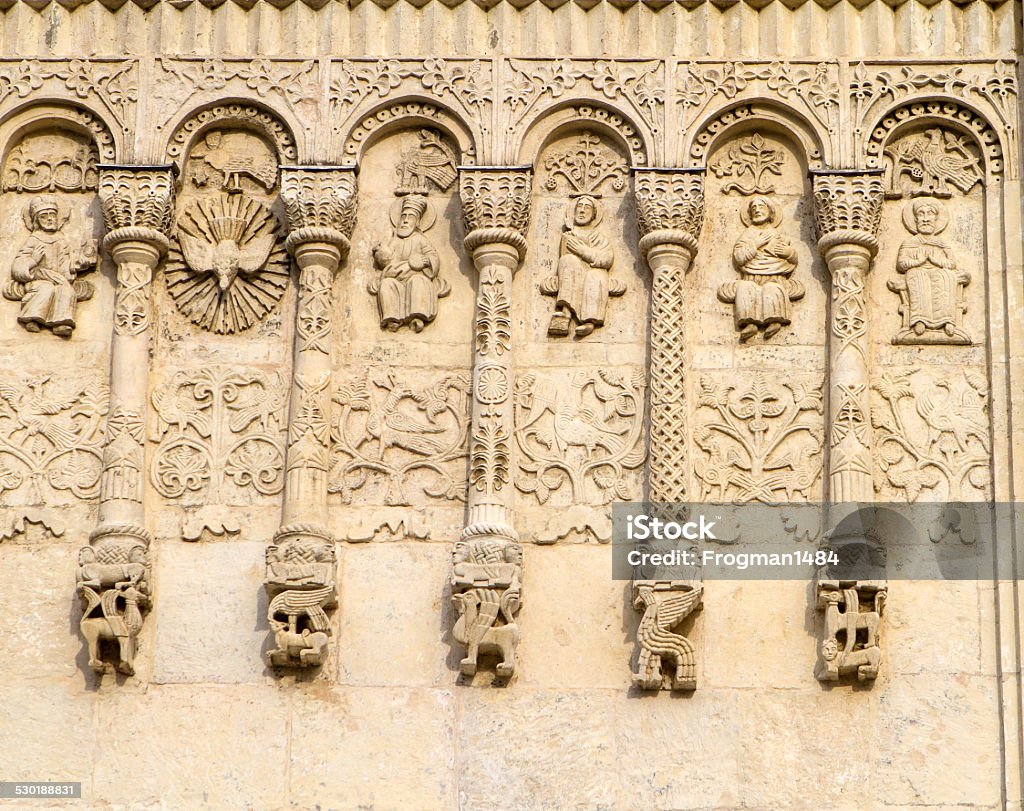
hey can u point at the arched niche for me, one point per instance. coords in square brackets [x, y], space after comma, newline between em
[404, 346]
[50, 213]
[406, 114]
[757, 317]
[228, 157]
[936, 298]
[756, 114]
[583, 115]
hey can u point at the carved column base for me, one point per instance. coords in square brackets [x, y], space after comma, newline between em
[113, 583]
[301, 584]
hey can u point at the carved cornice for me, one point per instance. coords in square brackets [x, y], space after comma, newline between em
[496, 205]
[848, 209]
[320, 204]
[669, 207]
[137, 203]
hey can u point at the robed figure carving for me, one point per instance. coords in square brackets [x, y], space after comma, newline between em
[582, 284]
[765, 260]
[45, 270]
[407, 285]
[932, 300]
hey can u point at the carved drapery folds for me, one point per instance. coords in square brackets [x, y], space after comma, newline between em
[848, 209]
[488, 557]
[670, 213]
[113, 573]
[320, 203]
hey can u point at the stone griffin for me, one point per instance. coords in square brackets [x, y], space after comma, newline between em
[665, 605]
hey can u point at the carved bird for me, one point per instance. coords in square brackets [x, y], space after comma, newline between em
[946, 160]
[226, 236]
[431, 158]
[935, 407]
[233, 167]
[395, 429]
[40, 415]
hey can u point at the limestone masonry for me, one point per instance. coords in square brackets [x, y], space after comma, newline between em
[331, 331]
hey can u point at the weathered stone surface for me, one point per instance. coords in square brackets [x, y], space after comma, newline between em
[415, 727]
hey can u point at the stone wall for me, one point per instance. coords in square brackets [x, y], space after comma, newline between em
[331, 331]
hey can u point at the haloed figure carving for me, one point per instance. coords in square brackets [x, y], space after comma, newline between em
[44, 273]
[582, 285]
[931, 291]
[408, 285]
[765, 260]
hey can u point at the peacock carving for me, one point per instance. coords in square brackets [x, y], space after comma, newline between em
[228, 269]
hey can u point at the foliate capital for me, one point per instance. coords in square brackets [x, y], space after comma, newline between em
[320, 204]
[138, 202]
[669, 207]
[848, 209]
[496, 205]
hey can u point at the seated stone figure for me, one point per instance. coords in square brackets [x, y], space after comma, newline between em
[45, 270]
[765, 260]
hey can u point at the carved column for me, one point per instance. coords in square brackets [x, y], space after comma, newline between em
[848, 209]
[488, 558]
[113, 573]
[320, 203]
[670, 213]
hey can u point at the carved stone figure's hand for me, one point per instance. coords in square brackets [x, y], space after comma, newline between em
[381, 255]
[89, 255]
[373, 286]
[417, 261]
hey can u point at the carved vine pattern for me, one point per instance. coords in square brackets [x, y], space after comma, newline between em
[51, 436]
[214, 426]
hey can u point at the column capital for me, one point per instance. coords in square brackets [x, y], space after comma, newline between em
[669, 207]
[496, 205]
[320, 204]
[137, 202]
[847, 209]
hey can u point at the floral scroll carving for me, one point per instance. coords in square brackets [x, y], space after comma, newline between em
[216, 428]
[760, 442]
[750, 162]
[401, 437]
[586, 436]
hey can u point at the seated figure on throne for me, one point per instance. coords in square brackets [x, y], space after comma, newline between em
[408, 286]
[765, 260]
[932, 288]
[45, 270]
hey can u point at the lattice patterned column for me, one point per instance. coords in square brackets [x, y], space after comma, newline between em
[113, 573]
[320, 203]
[670, 213]
[488, 557]
[848, 209]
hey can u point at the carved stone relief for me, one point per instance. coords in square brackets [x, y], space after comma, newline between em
[580, 440]
[51, 434]
[933, 162]
[665, 605]
[227, 268]
[750, 162]
[113, 582]
[931, 430]
[218, 435]
[765, 260]
[851, 643]
[45, 271]
[398, 443]
[930, 286]
[51, 161]
[486, 589]
[760, 441]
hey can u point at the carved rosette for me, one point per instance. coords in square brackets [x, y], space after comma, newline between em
[848, 210]
[496, 205]
[670, 214]
[320, 204]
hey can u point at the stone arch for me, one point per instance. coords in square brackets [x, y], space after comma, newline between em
[412, 111]
[766, 114]
[919, 113]
[41, 115]
[242, 114]
[583, 115]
